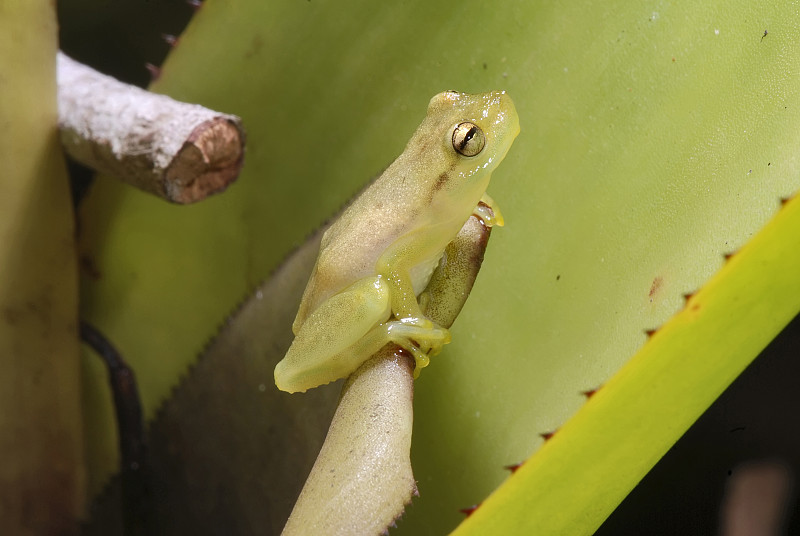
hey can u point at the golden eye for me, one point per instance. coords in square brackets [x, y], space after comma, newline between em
[468, 139]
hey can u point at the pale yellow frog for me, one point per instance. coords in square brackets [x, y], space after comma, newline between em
[377, 258]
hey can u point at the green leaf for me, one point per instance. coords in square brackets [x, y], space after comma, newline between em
[655, 138]
[585, 470]
[42, 480]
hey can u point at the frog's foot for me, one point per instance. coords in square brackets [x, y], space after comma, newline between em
[488, 211]
[422, 340]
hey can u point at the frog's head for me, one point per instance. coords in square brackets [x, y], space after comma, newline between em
[474, 134]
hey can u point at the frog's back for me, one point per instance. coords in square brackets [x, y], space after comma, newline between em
[351, 247]
[418, 205]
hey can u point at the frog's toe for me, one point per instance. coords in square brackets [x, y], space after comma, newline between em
[422, 342]
[421, 356]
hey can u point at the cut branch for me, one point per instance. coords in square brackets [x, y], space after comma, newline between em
[181, 152]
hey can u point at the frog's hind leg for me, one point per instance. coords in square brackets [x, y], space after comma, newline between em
[322, 349]
[410, 337]
[346, 330]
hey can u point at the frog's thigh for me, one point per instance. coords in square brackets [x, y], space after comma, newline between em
[325, 348]
[408, 336]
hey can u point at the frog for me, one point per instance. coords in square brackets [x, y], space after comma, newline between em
[377, 258]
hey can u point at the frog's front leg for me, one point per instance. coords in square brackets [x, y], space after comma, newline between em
[404, 302]
[488, 211]
[344, 331]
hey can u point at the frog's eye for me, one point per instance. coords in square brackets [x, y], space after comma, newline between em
[468, 139]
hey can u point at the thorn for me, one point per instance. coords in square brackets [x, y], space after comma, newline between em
[513, 467]
[590, 393]
[729, 255]
[547, 435]
[785, 200]
[170, 39]
[469, 510]
[687, 297]
[650, 332]
[195, 4]
[155, 72]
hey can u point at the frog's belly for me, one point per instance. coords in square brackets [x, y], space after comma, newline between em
[421, 273]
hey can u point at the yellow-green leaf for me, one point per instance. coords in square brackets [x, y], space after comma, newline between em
[655, 138]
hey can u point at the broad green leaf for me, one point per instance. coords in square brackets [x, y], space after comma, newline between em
[655, 138]
[585, 470]
[42, 473]
[227, 453]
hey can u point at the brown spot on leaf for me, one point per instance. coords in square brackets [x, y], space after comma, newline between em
[658, 282]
